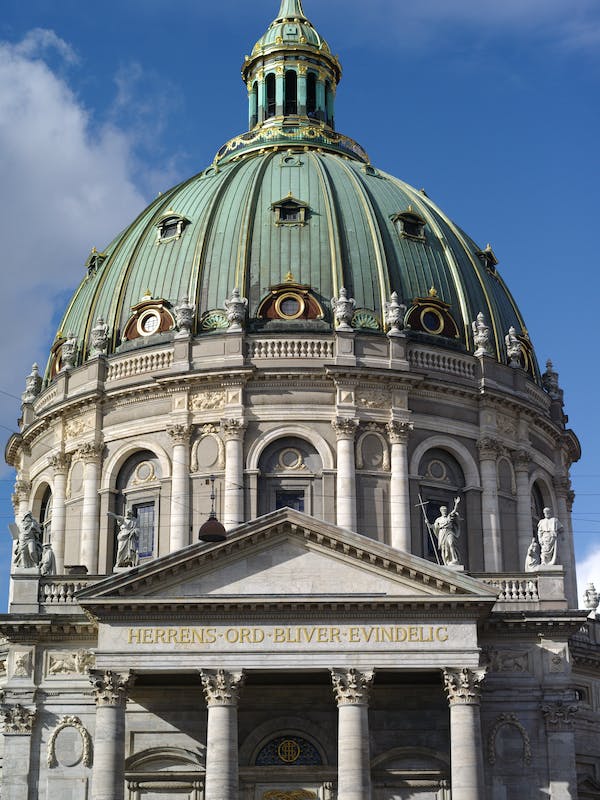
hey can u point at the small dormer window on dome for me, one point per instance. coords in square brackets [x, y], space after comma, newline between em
[290, 211]
[410, 224]
[171, 227]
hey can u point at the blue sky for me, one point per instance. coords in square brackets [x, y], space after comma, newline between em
[492, 107]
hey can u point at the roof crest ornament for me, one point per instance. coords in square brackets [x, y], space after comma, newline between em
[291, 9]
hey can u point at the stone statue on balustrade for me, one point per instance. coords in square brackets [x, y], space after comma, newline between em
[514, 348]
[548, 531]
[343, 310]
[33, 385]
[48, 560]
[99, 339]
[128, 540]
[447, 530]
[533, 558]
[481, 336]
[28, 536]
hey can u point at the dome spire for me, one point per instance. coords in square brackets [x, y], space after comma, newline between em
[291, 9]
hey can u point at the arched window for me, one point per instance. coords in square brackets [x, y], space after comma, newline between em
[328, 103]
[311, 94]
[271, 99]
[46, 515]
[291, 92]
[138, 490]
[537, 506]
[254, 105]
[290, 476]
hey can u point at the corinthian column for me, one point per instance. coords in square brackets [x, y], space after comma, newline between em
[492, 545]
[345, 430]
[91, 455]
[521, 461]
[18, 726]
[351, 689]
[559, 718]
[60, 464]
[180, 487]
[222, 690]
[108, 776]
[464, 693]
[398, 433]
[233, 434]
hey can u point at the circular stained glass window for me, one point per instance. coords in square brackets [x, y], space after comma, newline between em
[290, 750]
[149, 323]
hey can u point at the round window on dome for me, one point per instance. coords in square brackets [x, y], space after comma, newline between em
[432, 321]
[148, 323]
[290, 305]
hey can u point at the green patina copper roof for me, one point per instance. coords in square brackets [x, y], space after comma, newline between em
[351, 238]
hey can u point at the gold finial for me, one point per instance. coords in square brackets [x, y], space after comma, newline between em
[410, 208]
[289, 278]
[94, 250]
[433, 292]
[147, 295]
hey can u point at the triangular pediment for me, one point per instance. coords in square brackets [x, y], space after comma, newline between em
[289, 555]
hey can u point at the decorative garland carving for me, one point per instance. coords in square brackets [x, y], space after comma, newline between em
[505, 720]
[70, 722]
[221, 688]
[351, 687]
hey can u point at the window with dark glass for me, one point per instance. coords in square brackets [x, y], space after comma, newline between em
[291, 92]
[311, 94]
[271, 101]
[145, 514]
[289, 213]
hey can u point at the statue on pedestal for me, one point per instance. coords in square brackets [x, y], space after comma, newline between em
[514, 348]
[394, 315]
[28, 547]
[33, 385]
[184, 316]
[533, 558]
[128, 540]
[99, 338]
[549, 528]
[447, 530]
[48, 561]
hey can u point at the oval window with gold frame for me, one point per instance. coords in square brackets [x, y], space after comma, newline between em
[431, 320]
[148, 322]
[290, 305]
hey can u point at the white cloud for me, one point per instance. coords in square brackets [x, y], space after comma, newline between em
[588, 571]
[66, 186]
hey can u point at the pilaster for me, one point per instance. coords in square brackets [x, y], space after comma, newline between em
[91, 455]
[18, 725]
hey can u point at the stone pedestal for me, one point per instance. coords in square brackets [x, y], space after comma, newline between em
[18, 726]
[345, 430]
[90, 454]
[463, 690]
[221, 690]
[351, 689]
[398, 433]
[108, 777]
[180, 487]
[233, 506]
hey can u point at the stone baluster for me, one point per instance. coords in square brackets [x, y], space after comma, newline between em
[108, 776]
[60, 464]
[521, 461]
[91, 455]
[351, 689]
[180, 487]
[559, 718]
[566, 551]
[18, 725]
[490, 511]
[222, 690]
[345, 430]
[398, 433]
[464, 693]
[233, 510]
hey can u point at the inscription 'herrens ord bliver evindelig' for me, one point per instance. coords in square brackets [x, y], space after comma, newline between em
[284, 635]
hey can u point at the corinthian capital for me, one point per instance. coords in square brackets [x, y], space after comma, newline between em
[233, 429]
[521, 460]
[559, 716]
[345, 428]
[90, 452]
[18, 720]
[110, 688]
[488, 448]
[398, 432]
[21, 491]
[180, 434]
[463, 686]
[221, 688]
[60, 463]
[351, 687]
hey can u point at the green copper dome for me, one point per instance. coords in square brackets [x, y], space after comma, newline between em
[292, 200]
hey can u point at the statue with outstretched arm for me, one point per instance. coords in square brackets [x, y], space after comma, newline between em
[128, 539]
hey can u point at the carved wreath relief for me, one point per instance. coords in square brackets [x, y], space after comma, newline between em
[70, 744]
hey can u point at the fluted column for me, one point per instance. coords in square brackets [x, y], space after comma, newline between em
[108, 776]
[398, 433]
[180, 487]
[464, 693]
[60, 464]
[18, 725]
[490, 511]
[351, 689]
[222, 690]
[91, 455]
[345, 430]
[233, 510]
[559, 718]
[566, 551]
[521, 461]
